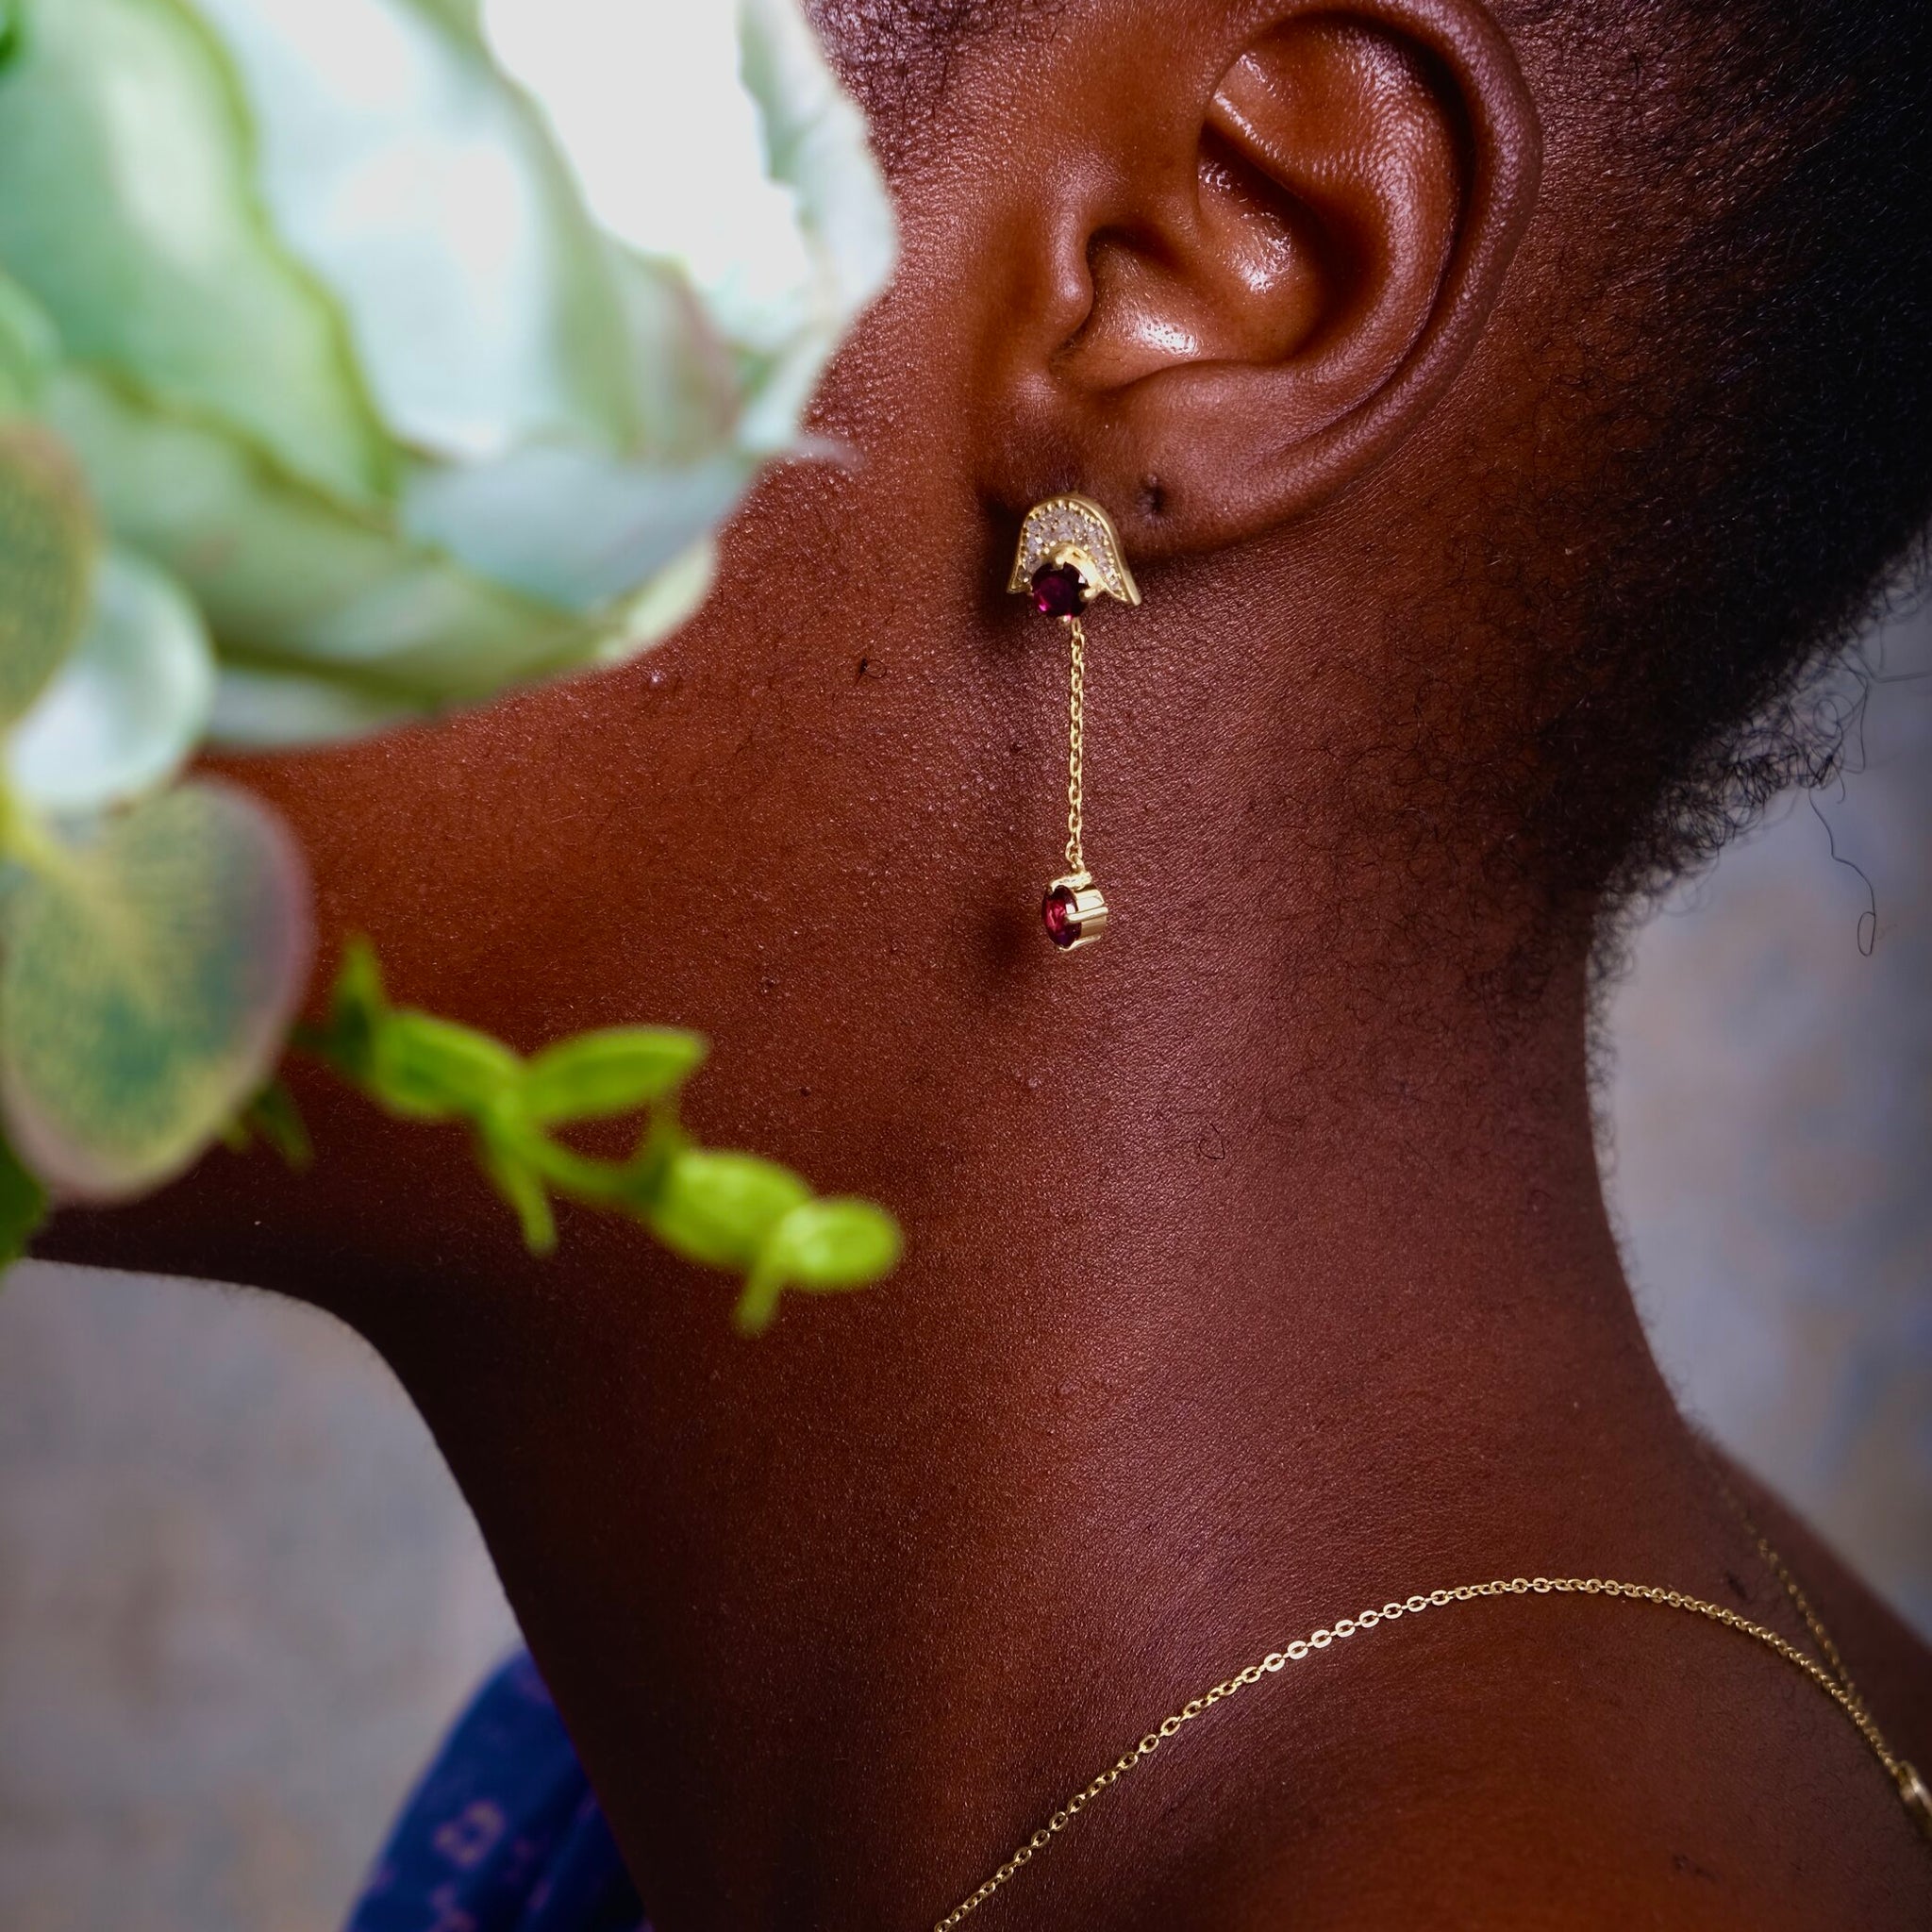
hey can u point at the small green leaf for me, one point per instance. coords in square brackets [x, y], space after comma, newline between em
[148, 981]
[357, 1004]
[433, 1069]
[718, 1208]
[360, 987]
[23, 1207]
[518, 1184]
[598, 1075]
[828, 1246]
[277, 1120]
[823, 1247]
[46, 562]
[563, 1170]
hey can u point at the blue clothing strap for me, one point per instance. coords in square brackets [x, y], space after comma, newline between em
[503, 1834]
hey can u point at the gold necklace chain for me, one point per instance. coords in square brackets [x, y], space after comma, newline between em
[1833, 1679]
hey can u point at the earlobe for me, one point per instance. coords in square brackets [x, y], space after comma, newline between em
[1274, 311]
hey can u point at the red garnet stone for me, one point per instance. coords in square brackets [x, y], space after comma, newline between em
[1059, 591]
[1062, 928]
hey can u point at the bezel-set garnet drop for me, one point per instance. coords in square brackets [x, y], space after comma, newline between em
[1074, 912]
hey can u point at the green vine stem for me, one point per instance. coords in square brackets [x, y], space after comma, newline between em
[23, 1207]
[731, 1211]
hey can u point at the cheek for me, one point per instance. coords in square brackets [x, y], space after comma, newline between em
[640, 844]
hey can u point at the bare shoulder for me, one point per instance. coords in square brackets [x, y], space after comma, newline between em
[1891, 1662]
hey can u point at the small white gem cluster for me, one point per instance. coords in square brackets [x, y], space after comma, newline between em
[1060, 522]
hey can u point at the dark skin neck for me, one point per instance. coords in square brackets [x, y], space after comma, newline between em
[1234, 1302]
[1259, 1268]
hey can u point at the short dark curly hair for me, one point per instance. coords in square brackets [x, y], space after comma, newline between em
[1767, 487]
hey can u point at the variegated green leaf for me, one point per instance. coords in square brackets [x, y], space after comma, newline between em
[147, 981]
[46, 562]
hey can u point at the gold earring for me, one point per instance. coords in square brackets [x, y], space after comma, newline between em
[1070, 554]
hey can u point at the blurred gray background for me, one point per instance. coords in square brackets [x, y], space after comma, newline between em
[240, 1598]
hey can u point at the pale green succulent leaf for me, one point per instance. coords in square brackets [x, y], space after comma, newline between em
[690, 377]
[292, 581]
[329, 625]
[570, 527]
[783, 233]
[718, 1208]
[47, 555]
[147, 986]
[398, 163]
[130, 214]
[29, 348]
[349, 358]
[127, 707]
[460, 16]
[668, 600]
[816, 142]
[637, 98]
[601, 1074]
[288, 710]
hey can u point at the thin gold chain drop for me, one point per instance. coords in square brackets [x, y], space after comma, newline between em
[1077, 746]
[1833, 1680]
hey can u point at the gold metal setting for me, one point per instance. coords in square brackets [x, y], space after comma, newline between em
[1916, 1795]
[1074, 534]
[1079, 525]
[1085, 915]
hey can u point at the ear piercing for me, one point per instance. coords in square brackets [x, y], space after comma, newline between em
[1070, 554]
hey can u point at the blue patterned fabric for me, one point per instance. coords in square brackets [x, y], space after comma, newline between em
[503, 1834]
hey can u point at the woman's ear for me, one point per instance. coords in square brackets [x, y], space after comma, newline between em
[1257, 243]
